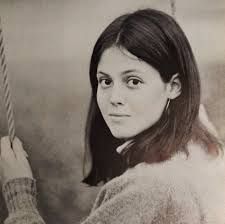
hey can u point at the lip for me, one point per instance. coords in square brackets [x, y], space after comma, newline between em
[119, 115]
[118, 118]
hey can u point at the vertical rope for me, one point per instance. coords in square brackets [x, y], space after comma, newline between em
[173, 7]
[6, 89]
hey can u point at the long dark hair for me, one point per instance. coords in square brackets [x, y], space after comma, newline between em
[156, 38]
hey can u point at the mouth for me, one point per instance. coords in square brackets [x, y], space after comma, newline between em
[118, 118]
[119, 115]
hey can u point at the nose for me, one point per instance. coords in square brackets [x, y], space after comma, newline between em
[117, 96]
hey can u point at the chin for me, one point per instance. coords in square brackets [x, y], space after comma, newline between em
[127, 133]
[121, 135]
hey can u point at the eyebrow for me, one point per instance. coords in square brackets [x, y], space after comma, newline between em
[123, 73]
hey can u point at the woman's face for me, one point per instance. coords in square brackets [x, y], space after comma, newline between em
[131, 95]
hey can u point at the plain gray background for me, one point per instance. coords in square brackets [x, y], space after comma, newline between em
[48, 49]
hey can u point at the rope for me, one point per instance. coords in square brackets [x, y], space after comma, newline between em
[6, 89]
[173, 7]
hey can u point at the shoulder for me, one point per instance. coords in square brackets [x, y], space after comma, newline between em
[179, 187]
[151, 197]
[148, 184]
[187, 184]
[133, 188]
[128, 198]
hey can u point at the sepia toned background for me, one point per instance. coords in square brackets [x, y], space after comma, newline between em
[48, 49]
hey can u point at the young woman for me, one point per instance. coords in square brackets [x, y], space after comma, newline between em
[158, 161]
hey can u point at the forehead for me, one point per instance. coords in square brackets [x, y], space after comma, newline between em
[115, 59]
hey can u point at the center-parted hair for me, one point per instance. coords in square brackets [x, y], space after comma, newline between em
[156, 38]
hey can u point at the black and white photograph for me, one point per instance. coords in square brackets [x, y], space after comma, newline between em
[112, 112]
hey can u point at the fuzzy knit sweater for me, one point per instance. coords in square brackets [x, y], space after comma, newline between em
[178, 191]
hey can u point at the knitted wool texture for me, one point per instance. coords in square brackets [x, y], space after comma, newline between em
[180, 190]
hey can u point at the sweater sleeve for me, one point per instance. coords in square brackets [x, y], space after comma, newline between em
[136, 204]
[20, 198]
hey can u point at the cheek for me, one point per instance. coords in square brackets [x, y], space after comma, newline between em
[149, 105]
[102, 101]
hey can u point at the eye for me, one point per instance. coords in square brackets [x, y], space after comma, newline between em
[104, 82]
[133, 82]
